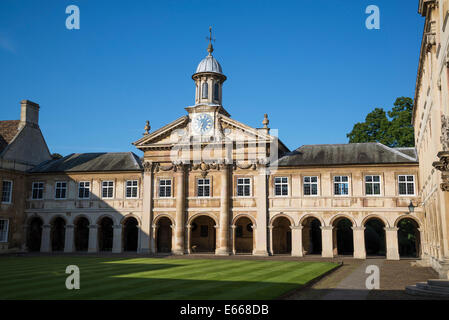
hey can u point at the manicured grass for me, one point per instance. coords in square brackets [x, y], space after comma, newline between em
[153, 278]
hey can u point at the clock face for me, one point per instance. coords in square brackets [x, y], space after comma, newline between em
[203, 123]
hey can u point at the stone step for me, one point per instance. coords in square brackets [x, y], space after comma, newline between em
[438, 283]
[426, 286]
[416, 291]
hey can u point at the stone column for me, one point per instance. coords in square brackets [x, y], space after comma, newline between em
[233, 239]
[68, 243]
[93, 238]
[189, 238]
[261, 194]
[359, 242]
[146, 236]
[327, 242]
[306, 239]
[117, 240]
[178, 247]
[270, 249]
[153, 239]
[296, 241]
[45, 241]
[391, 235]
[223, 231]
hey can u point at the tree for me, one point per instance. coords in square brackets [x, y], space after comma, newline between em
[396, 130]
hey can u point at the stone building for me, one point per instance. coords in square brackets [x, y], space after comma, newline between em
[209, 183]
[22, 147]
[431, 123]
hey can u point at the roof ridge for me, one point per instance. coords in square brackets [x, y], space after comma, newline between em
[396, 151]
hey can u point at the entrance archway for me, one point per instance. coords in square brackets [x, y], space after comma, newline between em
[282, 236]
[130, 234]
[311, 236]
[164, 235]
[81, 234]
[34, 237]
[202, 234]
[57, 234]
[343, 240]
[375, 243]
[409, 238]
[105, 234]
[243, 234]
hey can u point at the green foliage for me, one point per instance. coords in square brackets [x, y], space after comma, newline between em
[393, 128]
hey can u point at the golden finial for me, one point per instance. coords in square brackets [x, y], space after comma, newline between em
[265, 121]
[210, 48]
[147, 127]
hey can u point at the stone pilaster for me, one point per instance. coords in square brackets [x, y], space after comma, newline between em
[147, 244]
[359, 242]
[180, 210]
[260, 185]
[223, 232]
[327, 242]
[189, 238]
[68, 244]
[233, 227]
[270, 249]
[297, 241]
[117, 240]
[93, 238]
[45, 242]
[391, 235]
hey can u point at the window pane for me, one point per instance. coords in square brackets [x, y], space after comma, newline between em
[314, 189]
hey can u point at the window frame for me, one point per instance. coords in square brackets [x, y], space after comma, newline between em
[165, 187]
[406, 183]
[281, 184]
[6, 231]
[10, 191]
[32, 190]
[113, 189]
[317, 183]
[205, 89]
[66, 189]
[90, 190]
[198, 187]
[347, 182]
[372, 182]
[250, 184]
[132, 187]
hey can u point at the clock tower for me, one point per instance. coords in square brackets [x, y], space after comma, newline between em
[209, 79]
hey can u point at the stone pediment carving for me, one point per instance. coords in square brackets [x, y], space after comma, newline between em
[163, 133]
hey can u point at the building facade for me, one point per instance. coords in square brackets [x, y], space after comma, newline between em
[431, 123]
[209, 183]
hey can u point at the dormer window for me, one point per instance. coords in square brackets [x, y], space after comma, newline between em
[204, 93]
[216, 91]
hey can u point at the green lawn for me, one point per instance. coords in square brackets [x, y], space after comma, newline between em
[153, 278]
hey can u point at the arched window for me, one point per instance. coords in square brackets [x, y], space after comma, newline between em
[216, 91]
[205, 90]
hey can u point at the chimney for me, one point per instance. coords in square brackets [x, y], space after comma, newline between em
[29, 113]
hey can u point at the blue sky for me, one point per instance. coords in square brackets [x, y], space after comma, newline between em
[311, 65]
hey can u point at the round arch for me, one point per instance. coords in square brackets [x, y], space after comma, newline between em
[34, 232]
[81, 216]
[81, 225]
[105, 232]
[57, 232]
[244, 215]
[310, 215]
[311, 234]
[409, 237]
[243, 234]
[192, 218]
[105, 216]
[202, 233]
[375, 216]
[281, 215]
[407, 216]
[342, 215]
[374, 234]
[130, 234]
[128, 216]
[160, 216]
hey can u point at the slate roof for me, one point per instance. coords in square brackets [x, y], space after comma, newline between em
[8, 130]
[91, 162]
[346, 154]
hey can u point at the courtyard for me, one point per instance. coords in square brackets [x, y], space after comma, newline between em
[109, 277]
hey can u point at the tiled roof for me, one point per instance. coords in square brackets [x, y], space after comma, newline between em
[8, 130]
[91, 162]
[346, 154]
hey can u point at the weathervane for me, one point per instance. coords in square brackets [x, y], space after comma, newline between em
[210, 48]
